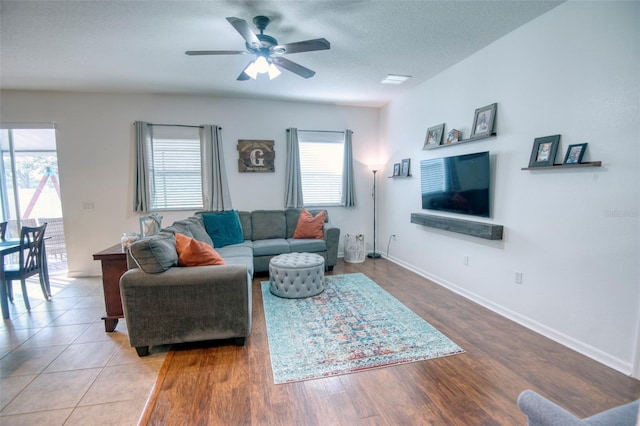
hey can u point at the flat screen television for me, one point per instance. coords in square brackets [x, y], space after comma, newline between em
[458, 184]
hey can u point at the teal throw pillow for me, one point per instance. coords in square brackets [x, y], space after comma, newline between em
[223, 227]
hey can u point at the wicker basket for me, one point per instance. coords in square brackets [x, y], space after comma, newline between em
[354, 248]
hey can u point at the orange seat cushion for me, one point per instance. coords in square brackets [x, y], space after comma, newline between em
[196, 253]
[310, 226]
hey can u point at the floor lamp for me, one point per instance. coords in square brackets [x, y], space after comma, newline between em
[373, 254]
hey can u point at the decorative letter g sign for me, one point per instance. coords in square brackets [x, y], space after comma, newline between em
[257, 158]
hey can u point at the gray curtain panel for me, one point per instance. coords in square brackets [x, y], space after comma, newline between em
[348, 182]
[293, 183]
[215, 186]
[141, 197]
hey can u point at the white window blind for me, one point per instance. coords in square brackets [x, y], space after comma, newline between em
[175, 169]
[321, 166]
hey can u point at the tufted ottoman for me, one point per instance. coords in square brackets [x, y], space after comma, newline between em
[296, 275]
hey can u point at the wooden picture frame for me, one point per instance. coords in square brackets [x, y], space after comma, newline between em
[396, 169]
[484, 120]
[544, 151]
[434, 136]
[406, 167]
[256, 156]
[575, 153]
[453, 136]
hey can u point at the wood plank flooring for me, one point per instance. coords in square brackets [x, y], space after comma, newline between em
[221, 384]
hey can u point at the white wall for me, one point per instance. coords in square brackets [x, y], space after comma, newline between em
[95, 155]
[574, 234]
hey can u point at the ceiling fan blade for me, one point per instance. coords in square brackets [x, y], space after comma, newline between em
[215, 52]
[245, 31]
[293, 67]
[302, 46]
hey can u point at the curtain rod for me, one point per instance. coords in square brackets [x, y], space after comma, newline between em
[321, 131]
[178, 125]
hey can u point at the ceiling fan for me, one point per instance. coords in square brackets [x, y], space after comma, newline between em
[268, 53]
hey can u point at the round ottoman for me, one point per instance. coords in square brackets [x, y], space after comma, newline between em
[296, 275]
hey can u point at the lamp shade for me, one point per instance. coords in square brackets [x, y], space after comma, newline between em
[262, 66]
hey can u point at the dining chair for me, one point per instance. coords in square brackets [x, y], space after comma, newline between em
[3, 230]
[31, 262]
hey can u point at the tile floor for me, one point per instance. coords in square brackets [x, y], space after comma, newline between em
[59, 367]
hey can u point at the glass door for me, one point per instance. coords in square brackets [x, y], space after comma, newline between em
[29, 186]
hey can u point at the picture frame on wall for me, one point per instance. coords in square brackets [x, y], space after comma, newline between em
[453, 136]
[575, 153]
[405, 168]
[434, 136]
[484, 120]
[256, 156]
[396, 169]
[544, 151]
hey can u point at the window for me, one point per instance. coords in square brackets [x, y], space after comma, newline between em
[175, 178]
[321, 167]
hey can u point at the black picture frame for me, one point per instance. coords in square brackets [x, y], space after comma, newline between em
[396, 169]
[434, 136]
[484, 120]
[575, 153]
[544, 151]
[406, 167]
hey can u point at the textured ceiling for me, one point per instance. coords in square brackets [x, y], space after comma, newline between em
[138, 46]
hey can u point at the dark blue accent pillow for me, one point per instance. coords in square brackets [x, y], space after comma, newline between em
[223, 227]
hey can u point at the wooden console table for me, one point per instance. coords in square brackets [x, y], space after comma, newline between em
[114, 264]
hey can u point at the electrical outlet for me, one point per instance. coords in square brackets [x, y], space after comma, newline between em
[393, 237]
[518, 279]
[88, 205]
[465, 260]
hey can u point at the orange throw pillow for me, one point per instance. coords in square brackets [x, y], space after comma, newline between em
[196, 253]
[309, 226]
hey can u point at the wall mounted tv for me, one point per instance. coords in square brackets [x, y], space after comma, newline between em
[458, 184]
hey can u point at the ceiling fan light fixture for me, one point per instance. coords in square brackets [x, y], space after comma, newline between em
[268, 53]
[261, 64]
[273, 71]
[251, 70]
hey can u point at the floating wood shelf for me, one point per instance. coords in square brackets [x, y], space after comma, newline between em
[471, 139]
[565, 166]
[488, 231]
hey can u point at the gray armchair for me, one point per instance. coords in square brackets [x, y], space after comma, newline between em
[542, 412]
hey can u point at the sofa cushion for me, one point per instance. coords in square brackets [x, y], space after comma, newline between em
[307, 245]
[199, 232]
[155, 253]
[244, 261]
[309, 226]
[236, 250]
[245, 222]
[192, 252]
[223, 227]
[179, 227]
[270, 247]
[268, 224]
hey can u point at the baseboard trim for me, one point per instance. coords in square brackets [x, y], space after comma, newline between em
[587, 350]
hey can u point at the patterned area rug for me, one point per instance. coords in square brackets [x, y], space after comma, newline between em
[353, 325]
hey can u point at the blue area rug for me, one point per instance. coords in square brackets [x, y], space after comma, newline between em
[353, 325]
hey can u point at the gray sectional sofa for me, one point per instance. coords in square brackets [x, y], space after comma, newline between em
[165, 303]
